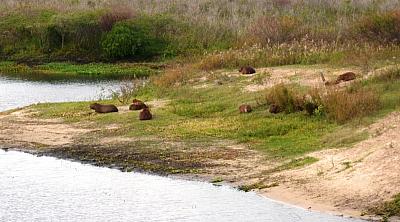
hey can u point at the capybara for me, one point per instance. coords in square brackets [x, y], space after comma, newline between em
[247, 70]
[274, 108]
[346, 77]
[245, 109]
[310, 107]
[137, 105]
[145, 114]
[99, 108]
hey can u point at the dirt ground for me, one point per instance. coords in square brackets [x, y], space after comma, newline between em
[348, 180]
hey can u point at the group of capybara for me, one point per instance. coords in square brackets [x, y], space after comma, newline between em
[145, 114]
[309, 107]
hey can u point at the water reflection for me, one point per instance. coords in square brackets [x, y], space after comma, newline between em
[48, 189]
[16, 92]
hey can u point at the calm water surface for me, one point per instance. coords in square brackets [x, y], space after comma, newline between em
[48, 189]
[16, 93]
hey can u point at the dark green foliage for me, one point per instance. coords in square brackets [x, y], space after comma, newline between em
[141, 38]
[122, 42]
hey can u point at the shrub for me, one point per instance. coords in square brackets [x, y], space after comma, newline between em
[343, 105]
[122, 42]
[133, 39]
[287, 99]
[383, 27]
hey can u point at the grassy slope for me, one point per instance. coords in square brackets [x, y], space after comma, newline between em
[212, 113]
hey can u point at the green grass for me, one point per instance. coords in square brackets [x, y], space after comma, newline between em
[93, 70]
[294, 163]
[206, 114]
[388, 209]
[209, 114]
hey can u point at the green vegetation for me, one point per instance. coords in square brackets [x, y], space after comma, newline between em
[109, 39]
[294, 163]
[388, 209]
[267, 33]
[259, 186]
[97, 70]
[211, 113]
[217, 180]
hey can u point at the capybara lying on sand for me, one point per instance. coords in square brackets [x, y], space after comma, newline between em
[99, 108]
[247, 70]
[346, 77]
[137, 105]
[145, 114]
[245, 109]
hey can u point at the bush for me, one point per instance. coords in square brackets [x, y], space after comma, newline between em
[122, 42]
[133, 40]
[384, 27]
[342, 105]
[285, 98]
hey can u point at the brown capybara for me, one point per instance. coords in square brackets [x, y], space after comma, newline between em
[247, 70]
[274, 109]
[245, 109]
[99, 108]
[137, 105]
[145, 114]
[310, 107]
[348, 76]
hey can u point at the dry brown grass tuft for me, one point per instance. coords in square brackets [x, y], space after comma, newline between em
[342, 105]
[174, 76]
[113, 16]
[285, 98]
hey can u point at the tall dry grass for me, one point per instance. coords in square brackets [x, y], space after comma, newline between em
[287, 31]
[342, 105]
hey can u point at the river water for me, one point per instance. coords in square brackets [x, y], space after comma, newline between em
[48, 189]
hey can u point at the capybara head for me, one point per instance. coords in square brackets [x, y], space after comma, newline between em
[94, 105]
[145, 114]
[247, 70]
[137, 105]
[274, 108]
[245, 108]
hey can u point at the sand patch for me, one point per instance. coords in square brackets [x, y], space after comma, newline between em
[349, 180]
